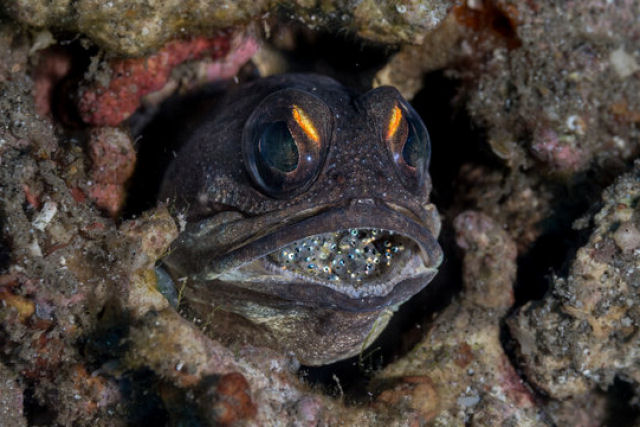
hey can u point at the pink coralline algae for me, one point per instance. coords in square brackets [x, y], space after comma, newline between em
[113, 160]
[552, 150]
[53, 64]
[131, 79]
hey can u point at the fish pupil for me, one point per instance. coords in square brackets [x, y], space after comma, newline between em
[413, 149]
[278, 148]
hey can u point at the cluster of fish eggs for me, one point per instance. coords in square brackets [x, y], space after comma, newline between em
[349, 255]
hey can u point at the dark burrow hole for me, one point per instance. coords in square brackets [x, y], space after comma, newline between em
[144, 405]
[552, 252]
[35, 413]
[623, 408]
[104, 348]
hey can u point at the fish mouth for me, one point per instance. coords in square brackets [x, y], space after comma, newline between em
[357, 257]
[360, 256]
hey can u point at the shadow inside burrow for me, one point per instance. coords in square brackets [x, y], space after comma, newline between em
[105, 351]
[554, 250]
[623, 409]
[35, 413]
[159, 132]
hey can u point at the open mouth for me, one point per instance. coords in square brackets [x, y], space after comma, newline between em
[355, 256]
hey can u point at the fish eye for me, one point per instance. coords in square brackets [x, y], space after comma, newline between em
[408, 142]
[285, 141]
[415, 149]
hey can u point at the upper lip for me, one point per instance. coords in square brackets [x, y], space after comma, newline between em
[352, 215]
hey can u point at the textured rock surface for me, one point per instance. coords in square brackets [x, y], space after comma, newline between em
[554, 83]
[585, 333]
[134, 28]
[517, 201]
[113, 160]
[570, 105]
[11, 399]
[111, 96]
[459, 373]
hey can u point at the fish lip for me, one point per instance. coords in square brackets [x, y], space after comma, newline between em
[333, 219]
[354, 214]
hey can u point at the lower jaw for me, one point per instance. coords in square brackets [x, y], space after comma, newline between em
[318, 325]
[316, 336]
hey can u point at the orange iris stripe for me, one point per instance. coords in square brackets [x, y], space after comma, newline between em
[305, 123]
[394, 121]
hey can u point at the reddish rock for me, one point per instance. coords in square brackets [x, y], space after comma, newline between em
[91, 392]
[32, 197]
[78, 195]
[133, 78]
[113, 158]
[109, 197]
[487, 15]
[413, 394]
[112, 154]
[53, 65]
[463, 356]
[234, 400]
[242, 49]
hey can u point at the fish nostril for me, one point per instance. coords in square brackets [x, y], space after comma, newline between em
[339, 179]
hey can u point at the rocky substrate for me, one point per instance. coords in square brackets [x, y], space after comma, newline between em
[541, 211]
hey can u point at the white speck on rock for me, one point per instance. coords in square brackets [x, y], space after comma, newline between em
[34, 249]
[468, 401]
[45, 216]
[623, 63]
[627, 237]
[576, 124]
[620, 143]
[475, 4]
[182, 222]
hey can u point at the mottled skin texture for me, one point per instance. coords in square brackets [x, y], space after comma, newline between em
[232, 222]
